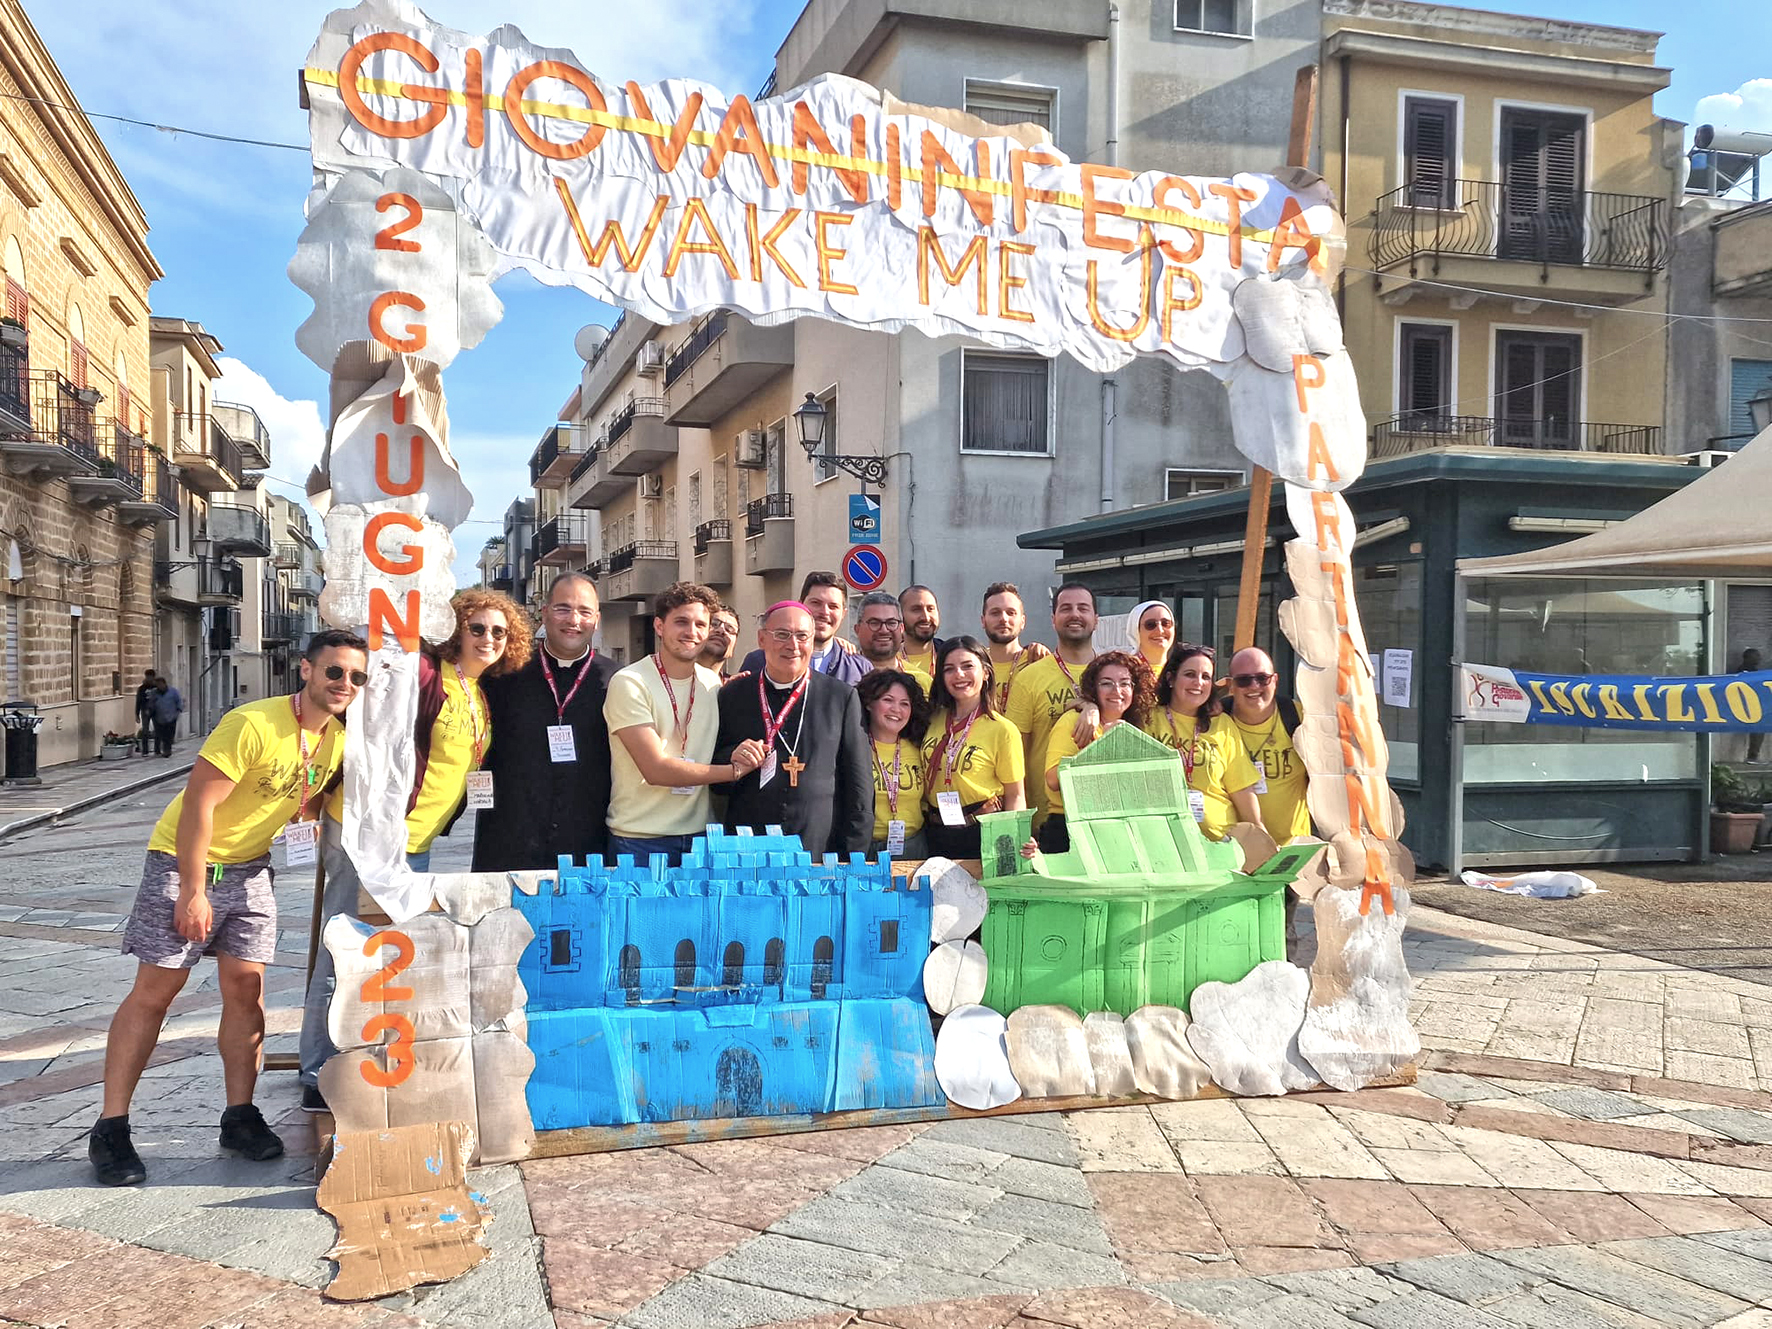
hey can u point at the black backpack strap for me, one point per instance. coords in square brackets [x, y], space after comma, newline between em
[1289, 716]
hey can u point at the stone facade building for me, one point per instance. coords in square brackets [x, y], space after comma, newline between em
[81, 488]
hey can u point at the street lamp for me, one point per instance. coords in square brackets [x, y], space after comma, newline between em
[811, 419]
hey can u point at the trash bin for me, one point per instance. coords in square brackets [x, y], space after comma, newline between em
[21, 722]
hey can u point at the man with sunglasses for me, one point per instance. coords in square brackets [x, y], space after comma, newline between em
[206, 889]
[549, 756]
[1266, 724]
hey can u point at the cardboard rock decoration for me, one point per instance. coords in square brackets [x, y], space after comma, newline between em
[972, 1059]
[1356, 1022]
[1049, 1052]
[1163, 1062]
[1247, 1031]
[1110, 1054]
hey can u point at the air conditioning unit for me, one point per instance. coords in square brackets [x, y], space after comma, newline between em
[650, 362]
[652, 486]
[751, 450]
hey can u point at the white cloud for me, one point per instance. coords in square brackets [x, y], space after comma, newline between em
[1748, 107]
[298, 435]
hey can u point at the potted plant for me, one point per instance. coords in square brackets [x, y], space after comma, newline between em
[1735, 812]
[116, 746]
[13, 334]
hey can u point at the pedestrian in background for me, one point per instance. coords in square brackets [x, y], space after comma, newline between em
[166, 706]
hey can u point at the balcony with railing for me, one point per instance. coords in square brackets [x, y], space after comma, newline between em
[62, 438]
[158, 497]
[1609, 245]
[304, 584]
[713, 553]
[118, 478]
[239, 530]
[502, 578]
[1425, 431]
[247, 431]
[594, 484]
[206, 457]
[769, 534]
[550, 465]
[560, 542]
[15, 374]
[279, 626]
[289, 554]
[640, 571]
[219, 581]
[723, 360]
[638, 440]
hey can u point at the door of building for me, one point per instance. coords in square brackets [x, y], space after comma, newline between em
[1538, 389]
[1543, 157]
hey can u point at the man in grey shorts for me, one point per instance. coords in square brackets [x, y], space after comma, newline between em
[206, 890]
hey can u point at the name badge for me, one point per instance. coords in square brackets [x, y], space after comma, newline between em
[766, 772]
[684, 790]
[301, 844]
[1196, 804]
[947, 802]
[479, 791]
[1260, 777]
[895, 837]
[560, 745]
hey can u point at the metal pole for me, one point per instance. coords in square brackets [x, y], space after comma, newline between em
[1455, 760]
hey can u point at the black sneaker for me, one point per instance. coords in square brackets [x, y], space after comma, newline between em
[243, 1131]
[114, 1160]
[312, 1100]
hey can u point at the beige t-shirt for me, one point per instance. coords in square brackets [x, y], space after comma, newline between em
[637, 696]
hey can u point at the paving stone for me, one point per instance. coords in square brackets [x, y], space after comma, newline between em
[918, 1240]
[1554, 1307]
[1618, 1172]
[1518, 1161]
[585, 1278]
[1591, 1216]
[942, 1158]
[1386, 1131]
[1154, 1212]
[1109, 1308]
[1649, 1292]
[1756, 1242]
[1426, 1310]
[701, 1301]
[1736, 1123]
[505, 1291]
[1593, 1104]
[1488, 1219]
[1121, 1140]
[1043, 1264]
[1401, 1101]
[979, 1311]
[1263, 1211]
[1291, 1312]
[804, 1268]
[1685, 1214]
[1215, 1119]
[1041, 1220]
[863, 1144]
[1225, 1159]
[1372, 1207]
[1044, 1181]
[1701, 1092]
[1490, 1067]
[1431, 1167]
[1012, 1136]
[914, 1193]
[1571, 1130]
[1731, 1272]
[1218, 1297]
[1730, 1180]
[1288, 1259]
[1317, 1145]
[1344, 1289]
[1475, 1280]
[678, 1239]
[1371, 1248]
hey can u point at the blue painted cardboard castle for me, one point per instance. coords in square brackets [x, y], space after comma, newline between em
[750, 981]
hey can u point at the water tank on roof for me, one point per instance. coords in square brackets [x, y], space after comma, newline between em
[1725, 161]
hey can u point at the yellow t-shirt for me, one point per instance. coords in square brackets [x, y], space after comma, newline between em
[637, 696]
[921, 668]
[1220, 765]
[1283, 807]
[257, 747]
[452, 756]
[1061, 745]
[1004, 672]
[990, 758]
[910, 786]
[1038, 695]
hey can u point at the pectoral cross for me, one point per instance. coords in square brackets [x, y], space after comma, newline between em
[793, 766]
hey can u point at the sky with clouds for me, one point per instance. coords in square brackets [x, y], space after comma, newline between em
[225, 216]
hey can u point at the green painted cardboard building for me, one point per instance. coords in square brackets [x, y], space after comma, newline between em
[1142, 909]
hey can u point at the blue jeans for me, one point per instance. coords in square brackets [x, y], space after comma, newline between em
[642, 847]
[340, 897]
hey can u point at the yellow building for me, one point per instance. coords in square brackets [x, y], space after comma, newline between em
[1508, 189]
[81, 488]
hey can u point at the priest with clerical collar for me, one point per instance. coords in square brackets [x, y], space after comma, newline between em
[815, 781]
[549, 756]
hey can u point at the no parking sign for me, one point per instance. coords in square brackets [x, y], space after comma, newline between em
[865, 568]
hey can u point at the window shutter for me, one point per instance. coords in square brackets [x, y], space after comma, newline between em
[1747, 379]
[1426, 371]
[122, 415]
[18, 304]
[1430, 131]
[77, 363]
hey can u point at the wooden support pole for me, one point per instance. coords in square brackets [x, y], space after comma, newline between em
[1261, 481]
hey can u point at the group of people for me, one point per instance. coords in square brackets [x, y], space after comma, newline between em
[895, 743]
[158, 704]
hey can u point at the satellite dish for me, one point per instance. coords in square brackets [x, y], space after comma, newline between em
[589, 339]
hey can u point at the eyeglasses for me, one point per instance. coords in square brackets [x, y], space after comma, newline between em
[1157, 624]
[878, 623]
[1252, 680]
[336, 672]
[571, 611]
[1117, 684]
[498, 631]
[783, 637]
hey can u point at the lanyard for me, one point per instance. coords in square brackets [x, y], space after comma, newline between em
[1187, 753]
[547, 672]
[468, 689]
[772, 723]
[951, 750]
[680, 725]
[1070, 678]
[310, 776]
[892, 784]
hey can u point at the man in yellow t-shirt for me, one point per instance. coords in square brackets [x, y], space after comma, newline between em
[1044, 691]
[207, 885]
[664, 712]
[922, 620]
[1003, 619]
[1262, 722]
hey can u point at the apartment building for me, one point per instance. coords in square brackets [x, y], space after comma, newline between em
[291, 610]
[686, 459]
[82, 489]
[1508, 189]
[211, 562]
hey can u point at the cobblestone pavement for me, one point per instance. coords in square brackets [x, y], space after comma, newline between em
[74, 784]
[1589, 1144]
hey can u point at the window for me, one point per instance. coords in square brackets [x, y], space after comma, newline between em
[1430, 151]
[829, 448]
[1178, 483]
[695, 500]
[77, 363]
[774, 463]
[732, 965]
[1538, 388]
[1424, 374]
[1011, 104]
[18, 304]
[1389, 597]
[1542, 167]
[1005, 403]
[1227, 18]
[1747, 379]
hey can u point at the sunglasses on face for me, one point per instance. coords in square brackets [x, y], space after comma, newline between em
[481, 629]
[336, 672]
[1157, 624]
[1252, 680]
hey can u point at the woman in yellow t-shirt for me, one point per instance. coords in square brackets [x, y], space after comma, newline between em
[1122, 688]
[972, 757]
[1221, 780]
[896, 716]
